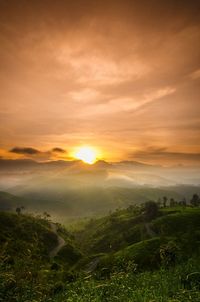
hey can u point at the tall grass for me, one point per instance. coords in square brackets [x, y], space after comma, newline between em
[164, 285]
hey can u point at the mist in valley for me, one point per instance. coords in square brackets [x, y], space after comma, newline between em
[73, 189]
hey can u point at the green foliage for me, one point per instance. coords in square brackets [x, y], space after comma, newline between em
[195, 201]
[169, 253]
[142, 261]
[146, 254]
[26, 272]
[166, 285]
[112, 232]
[150, 210]
[184, 226]
[69, 254]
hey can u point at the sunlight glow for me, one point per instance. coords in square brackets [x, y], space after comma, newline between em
[86, 154]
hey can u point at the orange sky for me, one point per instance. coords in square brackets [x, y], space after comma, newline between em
[122, 76]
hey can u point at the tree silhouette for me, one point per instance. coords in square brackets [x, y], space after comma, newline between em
[172, 202]
[19, 209]
[164, 201]
[195, 201]
[150, 210]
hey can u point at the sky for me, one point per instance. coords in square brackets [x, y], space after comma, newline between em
[121, 76]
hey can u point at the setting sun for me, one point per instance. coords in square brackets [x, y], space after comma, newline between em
[86, 154]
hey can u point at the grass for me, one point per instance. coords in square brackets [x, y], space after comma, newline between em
[164, 285]
[137, 267]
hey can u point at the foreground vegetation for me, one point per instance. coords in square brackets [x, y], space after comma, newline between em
[135, 254]
[160, 285]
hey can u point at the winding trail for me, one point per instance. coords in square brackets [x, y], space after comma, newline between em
[61, 241]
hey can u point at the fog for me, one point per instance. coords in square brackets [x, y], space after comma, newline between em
[75, 189]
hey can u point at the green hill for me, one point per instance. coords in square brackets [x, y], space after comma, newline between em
[25, 236]
[124, 256]
[26, 243]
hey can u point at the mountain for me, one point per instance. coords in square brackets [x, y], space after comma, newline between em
[29, 164]
[135, 164]
[26, 164]
[26, 173]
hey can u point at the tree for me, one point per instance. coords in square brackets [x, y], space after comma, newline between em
[195, 201]
[19, 209]
[46, 215]
[150, 210]
[172, 202]
[164, 201]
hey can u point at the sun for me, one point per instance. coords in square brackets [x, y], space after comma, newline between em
[86, 154]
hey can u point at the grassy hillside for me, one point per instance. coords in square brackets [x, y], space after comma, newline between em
[128, 226]
[25, 263]
[155, 260]
[124, 256]
[22, 235]
[163, 285]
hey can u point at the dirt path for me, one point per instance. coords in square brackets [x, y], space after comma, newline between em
[61, 241]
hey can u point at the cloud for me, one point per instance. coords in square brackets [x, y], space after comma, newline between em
[58, 150]
[25, 151]
[28, 152]
[162, 153]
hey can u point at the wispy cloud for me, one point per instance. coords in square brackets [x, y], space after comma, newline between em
[163, 154]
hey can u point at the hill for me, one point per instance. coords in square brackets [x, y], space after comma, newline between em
[62, 202]
[125, 231]
[124, 256]
[26, 244]
[132, 258]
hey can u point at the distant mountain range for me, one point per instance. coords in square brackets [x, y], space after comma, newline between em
[12, 164]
